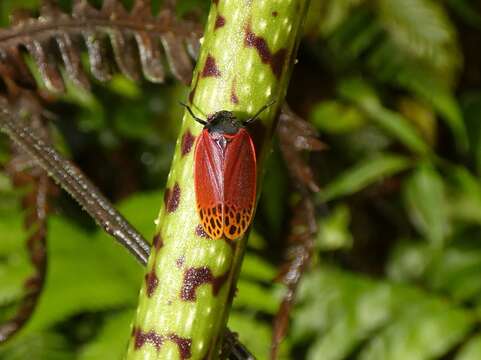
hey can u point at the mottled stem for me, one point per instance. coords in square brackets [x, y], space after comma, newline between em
[246, 58]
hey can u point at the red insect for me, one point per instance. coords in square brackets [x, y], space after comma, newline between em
[225, 174]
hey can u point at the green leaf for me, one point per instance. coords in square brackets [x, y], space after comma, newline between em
[112, 339]
[256, 297]
[255, 267]
[141, 210]
[422, 29]
[91, 272]
[361, 94]
[335, 13]
[355, 35]
[334, 231]
[426, 330]
[471, 350]
[94, 110]
[426, 204]
[428, 88]
[125, 87]
[255, 335]
[336, 118]
[81, 276]
[340, 310]
[455, 271]
[38, 346]
[12, 232]
[256, 241]
[408, 261]
[13, 275]
[7, 7]
[366, 172]
[343, 312]
[464, 196]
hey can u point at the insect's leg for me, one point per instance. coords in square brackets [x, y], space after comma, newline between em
[248, 121]
[199, 120]
[72, 180]
[233, 349]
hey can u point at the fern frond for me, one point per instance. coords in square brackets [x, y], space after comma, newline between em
[110, 343]
[55, 38]
[421, 29]
[347, 313]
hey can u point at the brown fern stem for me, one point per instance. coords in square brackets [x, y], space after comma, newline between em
[35, 204]
[40, 31]
[76, 183]
[295, 137]
[36, 246]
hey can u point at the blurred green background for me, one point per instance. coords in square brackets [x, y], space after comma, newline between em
[394, 89]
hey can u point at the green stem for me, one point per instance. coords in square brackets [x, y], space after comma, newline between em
[246, 59]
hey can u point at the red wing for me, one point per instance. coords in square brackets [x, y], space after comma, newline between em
[239, 184]
[209, 184]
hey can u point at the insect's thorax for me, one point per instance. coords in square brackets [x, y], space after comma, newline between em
[221, 139]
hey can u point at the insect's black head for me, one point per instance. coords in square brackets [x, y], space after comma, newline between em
[223, 122]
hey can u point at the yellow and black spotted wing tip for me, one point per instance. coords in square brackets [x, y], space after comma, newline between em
[211, 220]
[236, 221]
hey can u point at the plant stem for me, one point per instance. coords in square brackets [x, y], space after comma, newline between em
[246, 58]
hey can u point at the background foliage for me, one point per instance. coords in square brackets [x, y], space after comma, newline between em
[394, 89]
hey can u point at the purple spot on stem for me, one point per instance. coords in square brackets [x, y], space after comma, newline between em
[276, 60]
[195, 277]
[157, 243]
[210, 68]
[180, 261]
[199, 231]
[151, 282]
[183, 344]
[149, 337]
[219, 22]
[233, 94]
[187, 142]
[172, 198]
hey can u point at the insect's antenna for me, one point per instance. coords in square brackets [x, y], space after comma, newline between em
[199, 120]
[248, 121]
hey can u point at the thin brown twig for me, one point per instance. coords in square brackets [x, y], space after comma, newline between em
[75, 183]
[296, 136]
[25, 173]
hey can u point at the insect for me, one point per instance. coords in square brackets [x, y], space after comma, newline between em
[225, 174]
